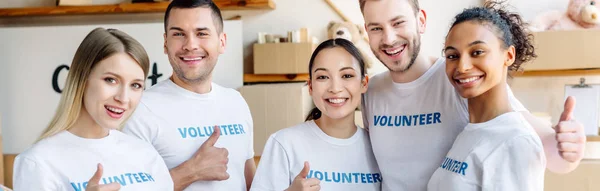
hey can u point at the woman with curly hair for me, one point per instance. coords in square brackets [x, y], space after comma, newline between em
[498, 149]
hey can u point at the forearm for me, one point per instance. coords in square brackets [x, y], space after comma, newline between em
[182, 176]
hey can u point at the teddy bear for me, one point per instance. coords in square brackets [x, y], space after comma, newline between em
[581, 14]
[356, 34]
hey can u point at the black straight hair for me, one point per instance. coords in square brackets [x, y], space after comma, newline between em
[315, 113]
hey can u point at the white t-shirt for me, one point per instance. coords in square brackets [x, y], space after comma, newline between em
[340, 164]
[504, 153]
[67, 162]
[413, 125]
[177, 121]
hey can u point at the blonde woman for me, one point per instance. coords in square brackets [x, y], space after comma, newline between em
[81, 149]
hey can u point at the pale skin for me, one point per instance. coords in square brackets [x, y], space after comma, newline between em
[117, 82]
[391, 24]
[193, 43]
[335, 75]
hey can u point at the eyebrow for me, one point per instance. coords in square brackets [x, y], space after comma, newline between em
[470, 44]
[119, 76]
[391, 20]
[346, 68]
[197, 29]
[320, 69]
[476, 42]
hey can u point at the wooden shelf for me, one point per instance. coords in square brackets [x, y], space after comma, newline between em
[573, 72]
[157, 7]
[255, 78]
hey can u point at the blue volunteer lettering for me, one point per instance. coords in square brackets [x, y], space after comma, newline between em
[454, 166]
[345, 177]
[123, 179]
[206, 131]
[407, 120]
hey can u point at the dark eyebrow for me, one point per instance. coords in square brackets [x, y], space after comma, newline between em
[476, 42]
[470, 44]
[320, 69]
[346, 68]
[449, 48]
[197, 29]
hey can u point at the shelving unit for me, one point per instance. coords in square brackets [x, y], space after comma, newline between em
[157, 7]
[257, 78]
[571, 72]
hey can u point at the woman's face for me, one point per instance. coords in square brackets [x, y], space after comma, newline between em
[475, 58]
[113, 90]
[336, 84]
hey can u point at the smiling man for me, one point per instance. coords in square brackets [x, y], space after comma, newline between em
[202, 130]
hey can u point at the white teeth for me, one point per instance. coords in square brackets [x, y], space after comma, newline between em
[336, 100]
[192, 59]
[115, 110]
[462, 81]
[395, 51]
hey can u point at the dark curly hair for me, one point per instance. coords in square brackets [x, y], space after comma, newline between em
[508, 26]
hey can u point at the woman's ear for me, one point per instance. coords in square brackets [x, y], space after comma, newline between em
[309, 83]
[510, 56]
[364, 84]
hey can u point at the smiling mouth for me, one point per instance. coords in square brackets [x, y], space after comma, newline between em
[394, 51]
[114, 112]
[337, 100]
[468, 80]
[192, 59]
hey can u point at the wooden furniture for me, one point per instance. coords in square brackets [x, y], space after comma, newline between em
[157, 7]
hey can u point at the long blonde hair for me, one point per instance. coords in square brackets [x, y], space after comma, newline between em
[98, 45]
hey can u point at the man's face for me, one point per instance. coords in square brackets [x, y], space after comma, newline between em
[193, 43]
[394, 32]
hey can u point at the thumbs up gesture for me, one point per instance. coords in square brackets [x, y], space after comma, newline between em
[300, 183]
[570, 134]
[209, 161]
[94, 183]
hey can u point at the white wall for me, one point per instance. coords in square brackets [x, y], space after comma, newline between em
[440, 14]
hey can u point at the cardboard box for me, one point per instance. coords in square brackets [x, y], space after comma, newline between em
[584, 178]
[275, 107]
[560, 50]
[282, 58]
[73, 2]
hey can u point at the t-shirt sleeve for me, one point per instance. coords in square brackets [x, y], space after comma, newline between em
[29, 175]
[518, 164]
[273, 172]
[514, 102]
[142, 124]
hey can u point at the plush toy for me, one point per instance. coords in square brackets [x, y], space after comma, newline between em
[355, 34]
[581, 14]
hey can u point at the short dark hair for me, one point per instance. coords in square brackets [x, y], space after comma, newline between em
[189, 4]
[414, 3]
[315, 113]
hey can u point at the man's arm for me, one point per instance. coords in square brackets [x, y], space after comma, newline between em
[563, 145]
[249, 171]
